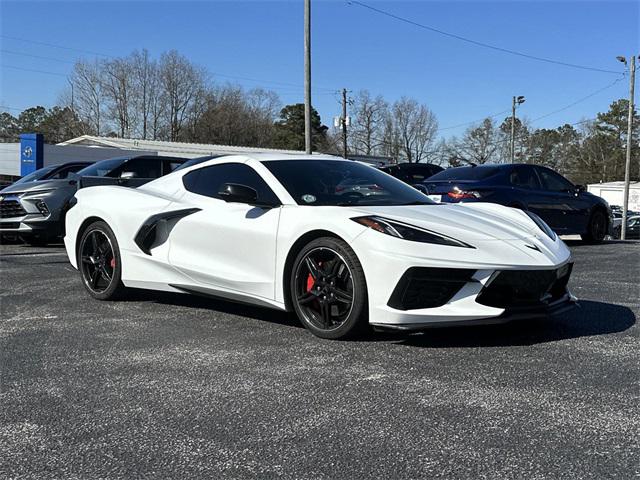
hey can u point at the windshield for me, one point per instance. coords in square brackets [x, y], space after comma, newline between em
[341, 182]
[37, 175]
[101, 168]
[465, 173]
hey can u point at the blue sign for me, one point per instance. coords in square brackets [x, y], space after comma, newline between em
[31, 152]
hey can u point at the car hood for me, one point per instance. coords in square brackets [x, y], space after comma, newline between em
[470, 222]
[36, 186]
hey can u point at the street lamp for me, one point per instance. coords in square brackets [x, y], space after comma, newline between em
[516, 101]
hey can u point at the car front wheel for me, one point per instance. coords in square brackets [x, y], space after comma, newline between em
[328, 289]
[99, 262]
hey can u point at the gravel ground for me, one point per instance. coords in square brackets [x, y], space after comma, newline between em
[171, 386]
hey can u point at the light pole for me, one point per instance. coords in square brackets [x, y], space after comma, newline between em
[307, 76]
[627, 167]
[516, 101]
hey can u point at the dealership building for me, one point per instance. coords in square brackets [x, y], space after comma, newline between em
[31, 153]
[613, 193]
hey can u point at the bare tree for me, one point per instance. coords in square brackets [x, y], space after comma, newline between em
[413, 127]
[118, 86]
[146, 86]
[367, 127]
[181, 82]
[89, 101]
[478, 145]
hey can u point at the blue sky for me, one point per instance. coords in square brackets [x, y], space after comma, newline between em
[353, 47]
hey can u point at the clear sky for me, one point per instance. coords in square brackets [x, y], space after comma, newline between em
[353, 47]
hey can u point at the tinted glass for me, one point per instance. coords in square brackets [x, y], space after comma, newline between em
[466, 173]
[208, 181]
[65, 171]
[335, 182]
[524, 177]
[140, 167]
[553, 181]
[37, 175]
[101, 168]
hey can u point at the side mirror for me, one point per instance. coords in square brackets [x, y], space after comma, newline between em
[420, 188]
[581, 188]
[233, 192]
[127, 175]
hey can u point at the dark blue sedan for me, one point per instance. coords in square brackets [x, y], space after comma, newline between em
[567, 208]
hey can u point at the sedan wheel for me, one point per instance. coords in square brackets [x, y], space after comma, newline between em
[597, 228]
[328, 289]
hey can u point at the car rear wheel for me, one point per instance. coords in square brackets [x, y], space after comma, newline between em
[99, 262]
[328, 289]
[597, 228]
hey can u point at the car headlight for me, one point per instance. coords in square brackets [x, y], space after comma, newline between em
[542, 225]
[408, 232]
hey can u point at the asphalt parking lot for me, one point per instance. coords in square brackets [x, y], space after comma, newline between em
[171, 386]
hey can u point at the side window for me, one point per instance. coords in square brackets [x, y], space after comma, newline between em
[524, 177]
[141, 168]
[208, 181]
[553, 181]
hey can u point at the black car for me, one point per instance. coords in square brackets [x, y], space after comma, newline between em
[34, 207]
[412, 173]
[567, 208]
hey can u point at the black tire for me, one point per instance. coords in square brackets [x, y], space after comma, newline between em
[330, 298]
[597, 228]
[99, 262]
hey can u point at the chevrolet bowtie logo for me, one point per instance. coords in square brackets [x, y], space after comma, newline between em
[533, 247]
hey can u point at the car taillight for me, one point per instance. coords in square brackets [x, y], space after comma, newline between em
[461, 194]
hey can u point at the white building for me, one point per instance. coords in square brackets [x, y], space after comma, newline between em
[613, 193]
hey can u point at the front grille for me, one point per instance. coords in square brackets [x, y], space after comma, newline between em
[421, 287]
[9, 225]
[11, 208]
[515, 288]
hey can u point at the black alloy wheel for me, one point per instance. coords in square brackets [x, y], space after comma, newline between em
[328, 289]
[99, 262]
[597, 228]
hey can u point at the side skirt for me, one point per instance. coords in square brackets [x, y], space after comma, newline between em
[229, 296]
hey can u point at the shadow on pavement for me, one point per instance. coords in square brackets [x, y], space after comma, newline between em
[592, 318]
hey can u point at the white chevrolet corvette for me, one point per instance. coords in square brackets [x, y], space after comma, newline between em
[339, 242]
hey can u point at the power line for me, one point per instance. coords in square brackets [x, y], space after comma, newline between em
[11, 52]
[475, 121]
[73, 49]
[478, 43]
[580, 100]
[35, 71]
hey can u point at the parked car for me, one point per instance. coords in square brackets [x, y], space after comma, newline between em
[633, 227]
[273, 230]
[34, 207]
[569, 209]
[31, 187]
[413, 173]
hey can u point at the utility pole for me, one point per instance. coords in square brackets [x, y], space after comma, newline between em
[307, 76]
[344, 122]
[627, 168]
[72, 103]
[516, 101]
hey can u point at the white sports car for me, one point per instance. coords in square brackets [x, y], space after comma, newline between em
[296, 233]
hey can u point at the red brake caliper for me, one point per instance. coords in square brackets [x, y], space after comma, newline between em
[112, 264]
[310, 283]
